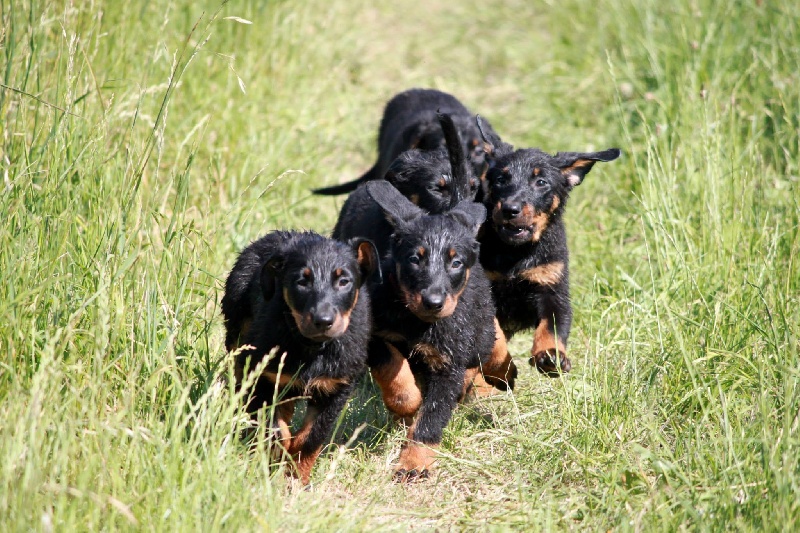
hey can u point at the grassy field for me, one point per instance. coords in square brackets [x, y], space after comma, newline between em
[142, 144]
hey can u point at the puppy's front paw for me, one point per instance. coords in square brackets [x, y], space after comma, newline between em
[550, 363]
[505, 381]
[415, 463]
[401, 475]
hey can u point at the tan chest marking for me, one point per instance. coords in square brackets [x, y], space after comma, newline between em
[548, 274]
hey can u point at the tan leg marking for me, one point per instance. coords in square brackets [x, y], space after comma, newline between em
[304, 461]
[500, 370]
[494, 276]
[283, 415]
[399, 389]
[475, 386]
[469, 378]
[283, 379]
[546, 346]
[544, 340]
[415, 463]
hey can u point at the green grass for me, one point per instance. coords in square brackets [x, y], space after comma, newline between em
[134, 167]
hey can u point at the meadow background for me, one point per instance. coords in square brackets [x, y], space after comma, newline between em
[142, 144]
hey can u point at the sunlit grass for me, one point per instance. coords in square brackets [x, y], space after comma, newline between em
[143, 144]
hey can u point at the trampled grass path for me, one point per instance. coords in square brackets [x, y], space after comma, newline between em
[143, 144]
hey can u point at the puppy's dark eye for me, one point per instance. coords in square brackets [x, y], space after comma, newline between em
[541, 183]
[500, 180]
[304, 282]
[456, 264]
[414, 260]
[344, 282]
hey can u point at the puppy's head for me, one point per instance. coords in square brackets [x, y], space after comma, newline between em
[432, 254]
[527, 189]
[437, 179]
[319, 280]
[429, 134]
[424, 177]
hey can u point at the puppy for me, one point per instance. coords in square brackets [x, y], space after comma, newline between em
[434, 180]
[524, 243]
[410, 122]
[433, 319]
[300, 293]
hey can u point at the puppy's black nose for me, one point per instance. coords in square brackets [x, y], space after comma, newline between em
[324, 321]
[511, 210]
[433, 302]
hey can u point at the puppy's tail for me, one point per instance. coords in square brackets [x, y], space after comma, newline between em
[459, 166]
[349, 186]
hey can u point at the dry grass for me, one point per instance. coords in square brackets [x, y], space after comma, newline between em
[134, 166]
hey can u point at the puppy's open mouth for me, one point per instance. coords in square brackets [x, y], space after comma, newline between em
[515, 232]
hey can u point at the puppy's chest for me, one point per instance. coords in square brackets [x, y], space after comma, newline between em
[310, 372]
[306, 360]
[523, 270]
[307, 383]
[428, 349]
[499, 260]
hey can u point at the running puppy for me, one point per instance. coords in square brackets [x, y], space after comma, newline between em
[524, 243]
[434, 180]
[300, 292]
[410, 122]
[433, 320]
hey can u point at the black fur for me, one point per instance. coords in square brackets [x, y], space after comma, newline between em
[410, 122]
[524, 243]
[435, 309]
[301, 293]
[434, 180]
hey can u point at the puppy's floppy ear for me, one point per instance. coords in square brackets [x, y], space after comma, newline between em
[368, 259]
[470, 214]
[271, 270]
[398, 209]
[493, 146]
[575, 165]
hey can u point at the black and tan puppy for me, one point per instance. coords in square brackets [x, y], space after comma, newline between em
[434, 180]
[410, 122]
[433, 319]
[301, 293]
[524, 243]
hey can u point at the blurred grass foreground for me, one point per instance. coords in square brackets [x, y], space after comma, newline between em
[142, 144]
